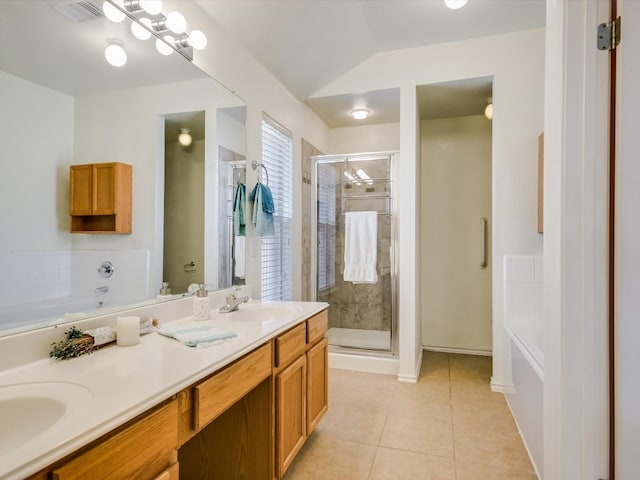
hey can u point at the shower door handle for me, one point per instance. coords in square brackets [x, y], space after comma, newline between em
[483, 242]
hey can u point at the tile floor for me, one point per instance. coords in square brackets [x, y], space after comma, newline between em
[448, 426]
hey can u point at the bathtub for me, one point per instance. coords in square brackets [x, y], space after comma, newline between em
[525, 398]
[25, 316]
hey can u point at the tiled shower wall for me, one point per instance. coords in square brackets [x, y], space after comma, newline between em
[42, 275]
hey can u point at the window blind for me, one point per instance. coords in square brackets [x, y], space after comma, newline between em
[326, 226]
[277, 157]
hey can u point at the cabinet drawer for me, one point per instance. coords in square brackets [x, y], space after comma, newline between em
[317, 327]
[216, 394]
[291, 345]
[139, 451]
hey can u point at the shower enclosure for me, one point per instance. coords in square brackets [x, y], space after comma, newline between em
[362, 316]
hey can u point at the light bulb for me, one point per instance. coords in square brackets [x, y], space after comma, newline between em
[139, 31]
[152, 7]
[162, 47]
[360, 113]
[184, 138]
[176, 22]
[197, 40]
[455, 4]
[112, 13]
[115, 55]
[488, 111]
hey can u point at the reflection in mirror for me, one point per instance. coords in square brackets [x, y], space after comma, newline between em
[183, 254]
[231, 178]
[63, 104]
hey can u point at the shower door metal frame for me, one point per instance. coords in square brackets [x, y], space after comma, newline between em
[391, 156]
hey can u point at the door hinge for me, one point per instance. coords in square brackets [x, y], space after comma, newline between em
[609, 35]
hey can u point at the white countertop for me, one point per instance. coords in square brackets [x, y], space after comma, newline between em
[123, 382]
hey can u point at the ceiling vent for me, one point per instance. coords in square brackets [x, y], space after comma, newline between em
[79, 11]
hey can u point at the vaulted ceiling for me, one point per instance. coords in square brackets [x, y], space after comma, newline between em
[309, 43]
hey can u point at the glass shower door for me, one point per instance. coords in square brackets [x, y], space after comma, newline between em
[361, 314]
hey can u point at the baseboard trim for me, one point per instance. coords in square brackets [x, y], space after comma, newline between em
[460, 351]
[502, 387]
[364, 363]
[413, 378]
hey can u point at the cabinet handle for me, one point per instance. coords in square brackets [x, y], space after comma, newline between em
[483, 242]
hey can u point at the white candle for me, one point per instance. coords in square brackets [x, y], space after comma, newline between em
[127, 330]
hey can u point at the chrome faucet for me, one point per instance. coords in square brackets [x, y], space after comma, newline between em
[102, 289]
[233, 301]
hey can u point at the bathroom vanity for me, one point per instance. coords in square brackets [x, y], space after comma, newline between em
[162, 410]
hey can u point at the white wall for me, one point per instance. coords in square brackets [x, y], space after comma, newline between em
[455, 195]
[36, 126]
[382, 137]
[516, 62]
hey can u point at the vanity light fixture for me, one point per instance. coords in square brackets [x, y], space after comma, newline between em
[455, 4]
[360, 113]
[488, 110]
[139, 31]
[352, 178]
[114, 53]
[162, 47]
[364, 176]
[185, 138]
[170, 30]
[112, 13]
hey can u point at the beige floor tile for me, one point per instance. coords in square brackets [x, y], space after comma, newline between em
[491, 447]
[427, 431]
[379, 428]
[391, 464]
[324, 457]
[353, 423]
[478, 471]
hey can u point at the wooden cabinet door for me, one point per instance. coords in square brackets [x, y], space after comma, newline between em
[104, 188]
[291, 402]
[80, 190]
[317, 383]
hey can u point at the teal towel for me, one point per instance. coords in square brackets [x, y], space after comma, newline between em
[263, 209]
[239, 205]
[196, 334]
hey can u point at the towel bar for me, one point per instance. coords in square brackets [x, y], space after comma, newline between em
[255, 165]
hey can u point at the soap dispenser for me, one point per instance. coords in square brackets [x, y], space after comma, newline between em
[201, 304]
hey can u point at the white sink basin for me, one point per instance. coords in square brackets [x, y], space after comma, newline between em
[29, 411]
[265, 312]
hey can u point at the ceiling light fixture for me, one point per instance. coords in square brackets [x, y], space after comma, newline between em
[488, 110]
[114, 53]
[360, 113]
[455, 4]
[185, 138]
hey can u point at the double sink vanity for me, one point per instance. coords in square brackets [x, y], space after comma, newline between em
[241, 409]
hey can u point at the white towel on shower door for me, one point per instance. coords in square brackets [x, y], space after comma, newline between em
[360, 247]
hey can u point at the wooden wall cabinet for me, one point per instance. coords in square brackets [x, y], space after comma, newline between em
[100, 197]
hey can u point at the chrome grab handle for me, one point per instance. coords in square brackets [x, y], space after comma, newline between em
[483, 242]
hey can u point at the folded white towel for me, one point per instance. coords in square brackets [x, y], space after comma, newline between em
[360, 247]
[197, 334]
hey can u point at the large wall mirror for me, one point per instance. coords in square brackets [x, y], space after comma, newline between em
[63, 104]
